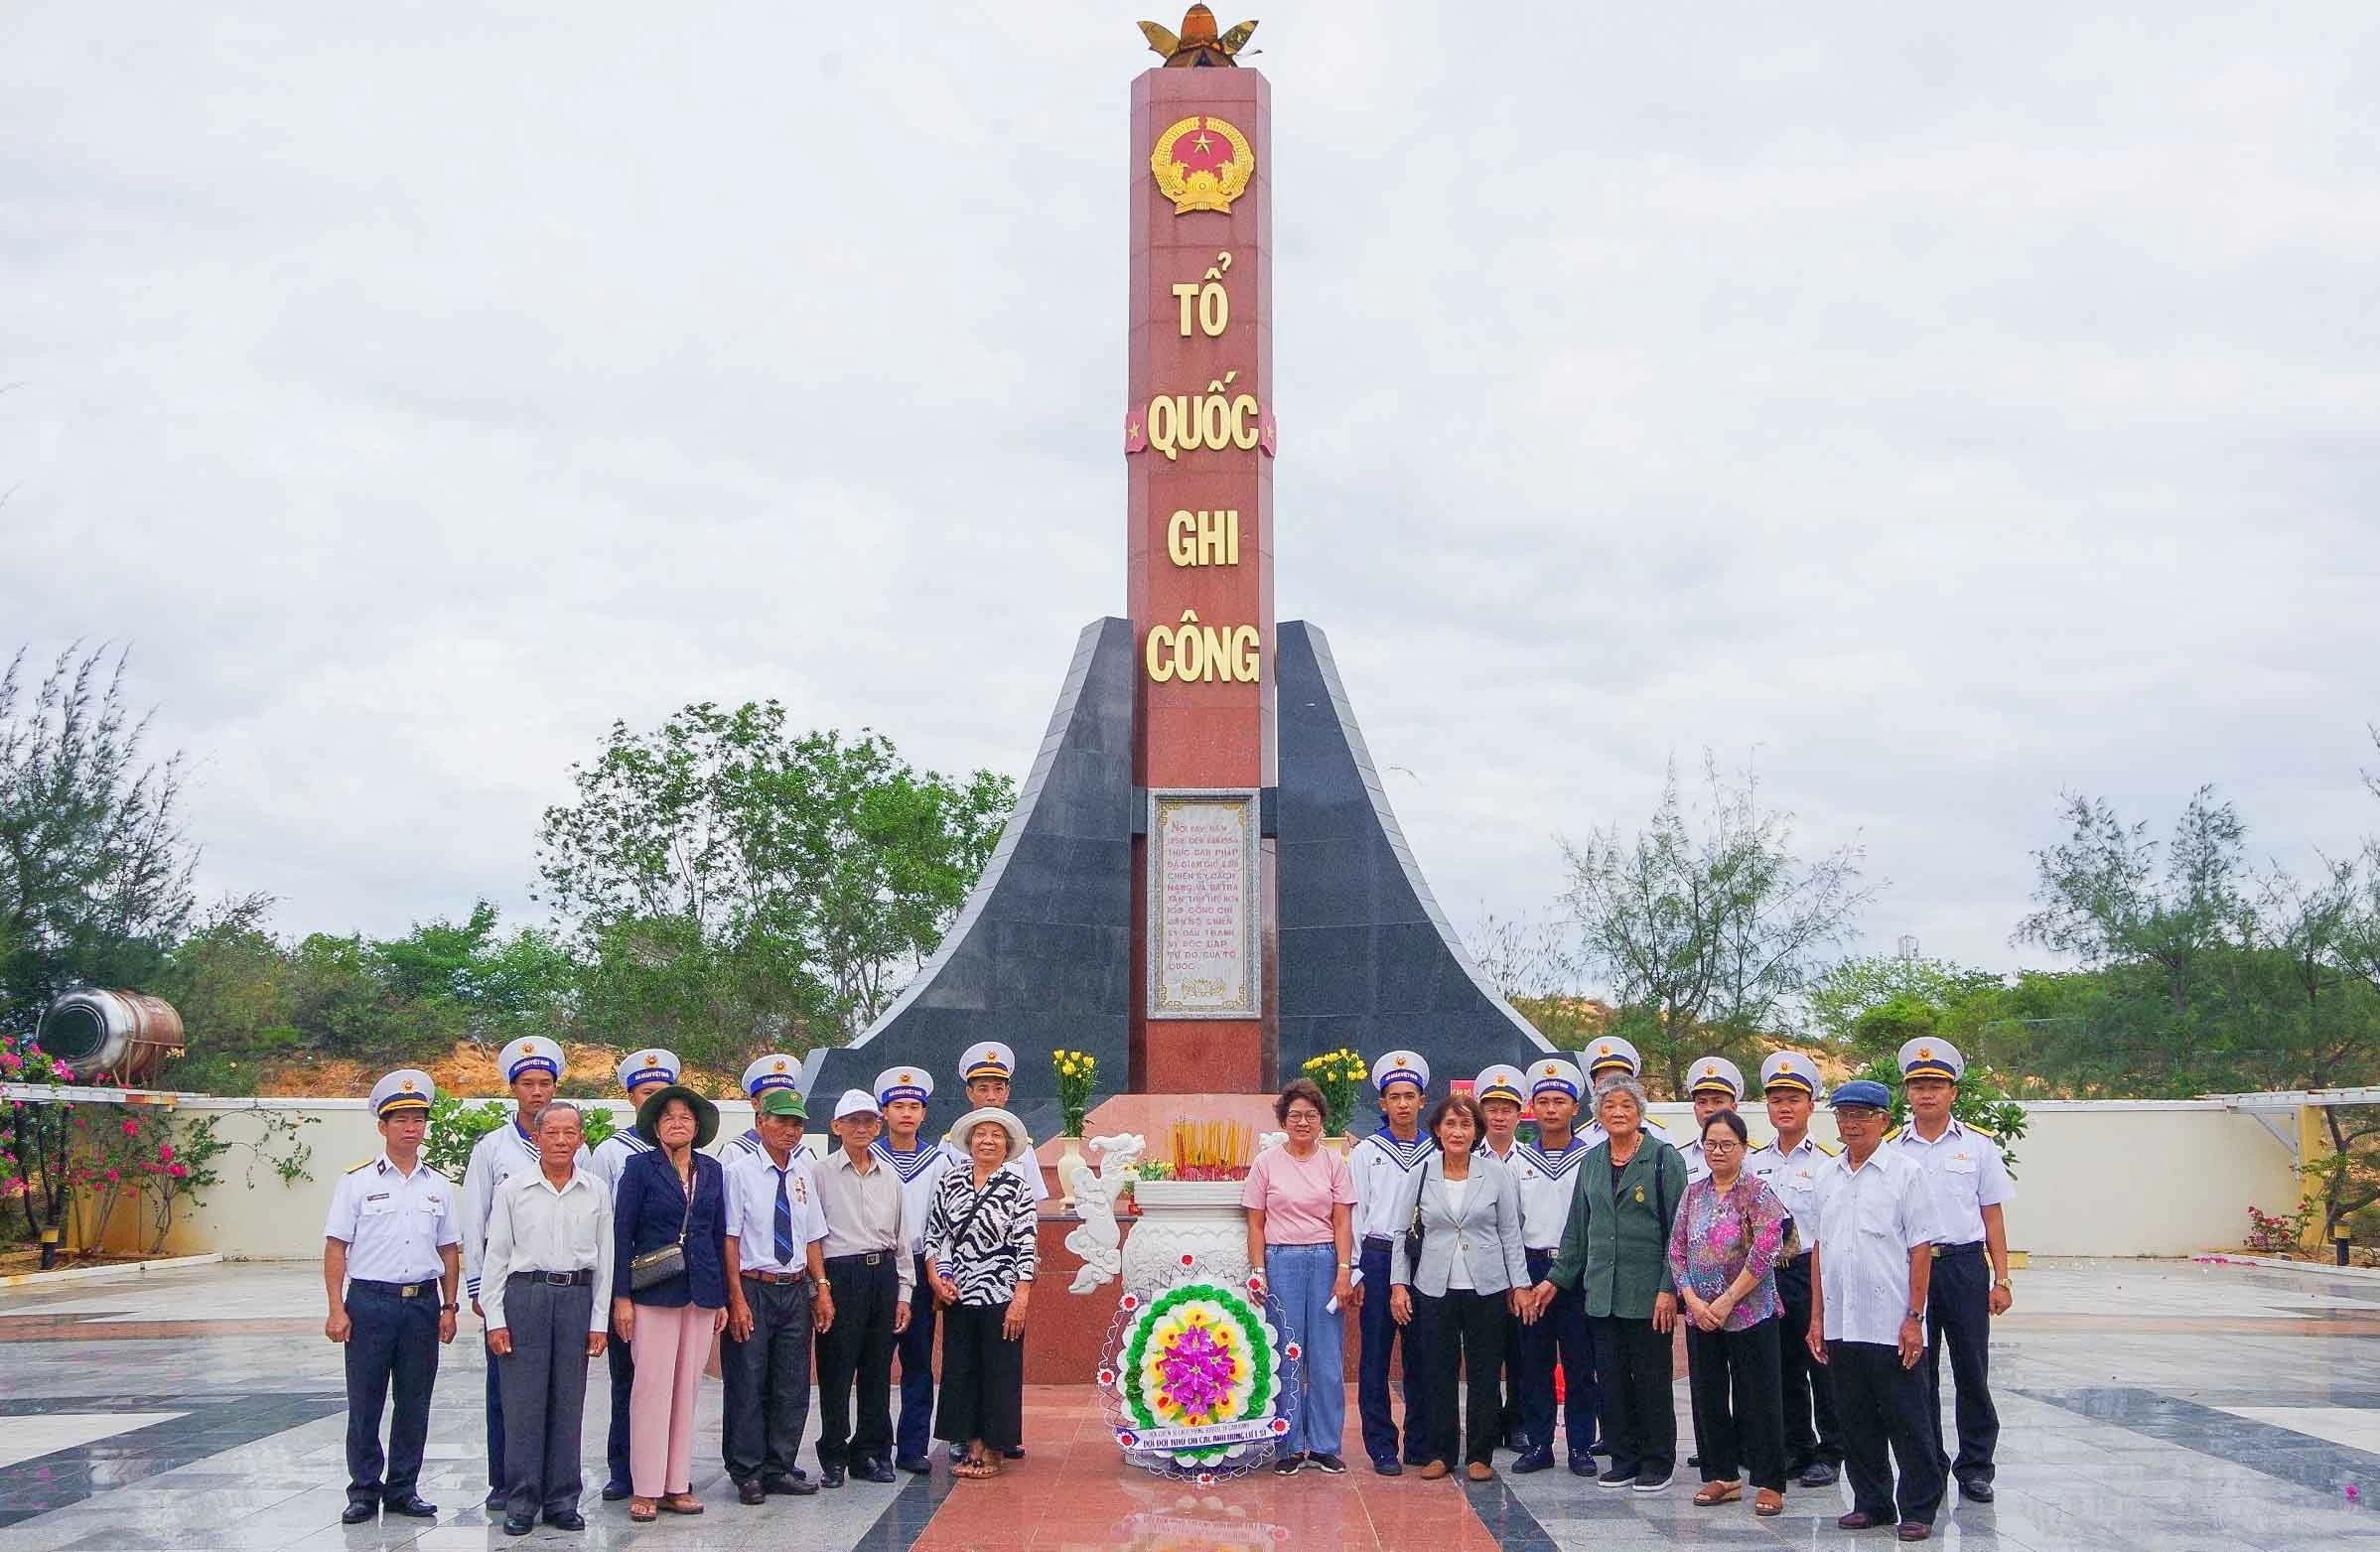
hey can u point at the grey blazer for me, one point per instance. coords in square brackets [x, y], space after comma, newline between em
[1487, 1234]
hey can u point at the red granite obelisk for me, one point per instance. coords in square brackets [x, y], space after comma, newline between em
[1200, 442]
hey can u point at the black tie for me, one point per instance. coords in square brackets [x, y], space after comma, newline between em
[785, 1223]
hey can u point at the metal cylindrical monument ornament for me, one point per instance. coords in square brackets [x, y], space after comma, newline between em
[93, 1030]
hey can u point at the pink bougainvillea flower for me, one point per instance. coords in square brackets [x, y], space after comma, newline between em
[175, 1171]
[131, 1127]
[165, 1153]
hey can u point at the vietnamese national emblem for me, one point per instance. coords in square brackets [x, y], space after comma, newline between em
[1201, 164]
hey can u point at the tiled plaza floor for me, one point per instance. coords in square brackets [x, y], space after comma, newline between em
[2144, 1406]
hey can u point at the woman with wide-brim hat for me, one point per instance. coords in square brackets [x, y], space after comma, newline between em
[981, 1258]
[671, 1195]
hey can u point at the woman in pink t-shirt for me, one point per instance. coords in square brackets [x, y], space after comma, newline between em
[1301, 1232]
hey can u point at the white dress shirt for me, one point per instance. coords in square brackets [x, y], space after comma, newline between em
[393, 1223]
[754, 1183]
[494, 1159]
[867, 1213]
[1963, 1173]
[1549, 1184]
[1794, 1177]
[920, 1172]
[1697, 1166]
[1868, 1220]
[1388, 1181]
[537, 1226]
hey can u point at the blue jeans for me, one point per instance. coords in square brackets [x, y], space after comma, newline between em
[1301, 1277]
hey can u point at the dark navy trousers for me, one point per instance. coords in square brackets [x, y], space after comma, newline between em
[498, 1484]
[1958, 1303]
[395, 1344]
[1371, 1375]
[914, 1347]
[1561, 1333]
[616, 1442]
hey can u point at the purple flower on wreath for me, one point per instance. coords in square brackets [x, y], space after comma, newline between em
[1196, 1371]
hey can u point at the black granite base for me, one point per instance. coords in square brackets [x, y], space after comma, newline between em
[1041, 957]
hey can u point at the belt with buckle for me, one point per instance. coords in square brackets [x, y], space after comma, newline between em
[861, 1258]
[581, 1277]
[1974, 1246]
[758, 1276]
[421, 1290]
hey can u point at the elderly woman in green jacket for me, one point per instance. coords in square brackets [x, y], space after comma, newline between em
[1616, 1250]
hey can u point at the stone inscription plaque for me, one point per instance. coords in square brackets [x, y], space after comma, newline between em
[1202, 909]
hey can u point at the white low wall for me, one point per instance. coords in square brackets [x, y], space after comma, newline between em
[2094, 1178]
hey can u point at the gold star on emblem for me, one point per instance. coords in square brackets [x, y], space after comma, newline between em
[1203, 145]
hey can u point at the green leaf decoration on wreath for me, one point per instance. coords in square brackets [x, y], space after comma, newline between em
[1248, 1327]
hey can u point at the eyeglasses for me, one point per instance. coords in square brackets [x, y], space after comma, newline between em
[1726, 1147]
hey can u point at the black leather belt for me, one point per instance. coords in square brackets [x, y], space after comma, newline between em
[862, 1258]
[424, 1289]
[1384, 1241]
[760, 1276]
[1971, 1247]
[581, 1278]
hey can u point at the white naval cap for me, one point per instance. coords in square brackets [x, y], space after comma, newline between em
[652, 1064]
[531, 1054]
[1554, 1075]
[1927, 1057]
[1709, 1074]
[1790, 1070]
[903, 1083]
[1611, 1054]
[1401, 1067]
[855, 1101]
[1500, 1082]
[987, 1059]
[773, 1071]
[407, 1088]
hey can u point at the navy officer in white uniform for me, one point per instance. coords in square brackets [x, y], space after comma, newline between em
[1612, 1054]
[901, 1093]
[1714, 1084]
[640, 1073]
[1966, 1185]
[1387, 1170]
[533, 1067]
[390, 1264]
[1547, 1170]
[771, 1071]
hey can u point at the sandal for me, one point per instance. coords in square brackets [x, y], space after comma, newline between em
[681, 1503]
[1768, 1502]
[976, 1468]
[641, 1511]
[1717, 1492]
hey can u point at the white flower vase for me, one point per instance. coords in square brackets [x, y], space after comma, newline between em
[1202, 1218]
[1068, 1157]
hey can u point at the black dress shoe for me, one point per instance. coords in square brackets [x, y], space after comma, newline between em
[1536, 1458]
[830, 1475]
[1014, 1452]
[751, 1493]
[496, 1499]
[921, 1464]
[1693, 1460]
[872, 1471]
[614, 1492]
[411, 1506]
[1859, 1519]
[514, 1526]
[1581, 1462]
[1517, 1439]
[1386, 1466]
[799, 1487]
[358, 1511]
[566, 1519]
[1914, 1530]
[1976, 1491]
[1818, 1474]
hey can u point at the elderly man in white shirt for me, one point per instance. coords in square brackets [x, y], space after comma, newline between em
[1870, 1259]
[550, 1247]
[868, 1234]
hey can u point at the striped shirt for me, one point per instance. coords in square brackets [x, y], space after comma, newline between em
[997, 1249]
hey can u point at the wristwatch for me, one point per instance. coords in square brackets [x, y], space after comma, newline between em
[1917, 1316]
[2002, 1282]
[450, 1307]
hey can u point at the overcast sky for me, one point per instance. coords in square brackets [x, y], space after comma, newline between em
[1944, 407]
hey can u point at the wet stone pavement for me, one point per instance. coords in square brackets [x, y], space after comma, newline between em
[2144, 1406]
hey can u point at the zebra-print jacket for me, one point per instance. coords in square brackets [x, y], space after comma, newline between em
[998, 1251]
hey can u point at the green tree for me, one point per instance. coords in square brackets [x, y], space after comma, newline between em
[728, 877]
[1708, 925]
[94, 866]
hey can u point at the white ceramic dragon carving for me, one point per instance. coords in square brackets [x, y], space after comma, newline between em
[1099, 1241]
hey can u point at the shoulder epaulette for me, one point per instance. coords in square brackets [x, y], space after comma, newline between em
[1895, 1134]
[1830, 1150]
[1988, 1137]
[1656, 1126]
[364, 1164]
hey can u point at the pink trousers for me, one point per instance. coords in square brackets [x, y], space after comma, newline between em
[671, 1346]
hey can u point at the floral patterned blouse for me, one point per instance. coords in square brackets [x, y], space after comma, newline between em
[1717, 1236]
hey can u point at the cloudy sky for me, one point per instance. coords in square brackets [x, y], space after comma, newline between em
[1939, 406]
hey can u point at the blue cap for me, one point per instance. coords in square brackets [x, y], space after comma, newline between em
[1863, 1091]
